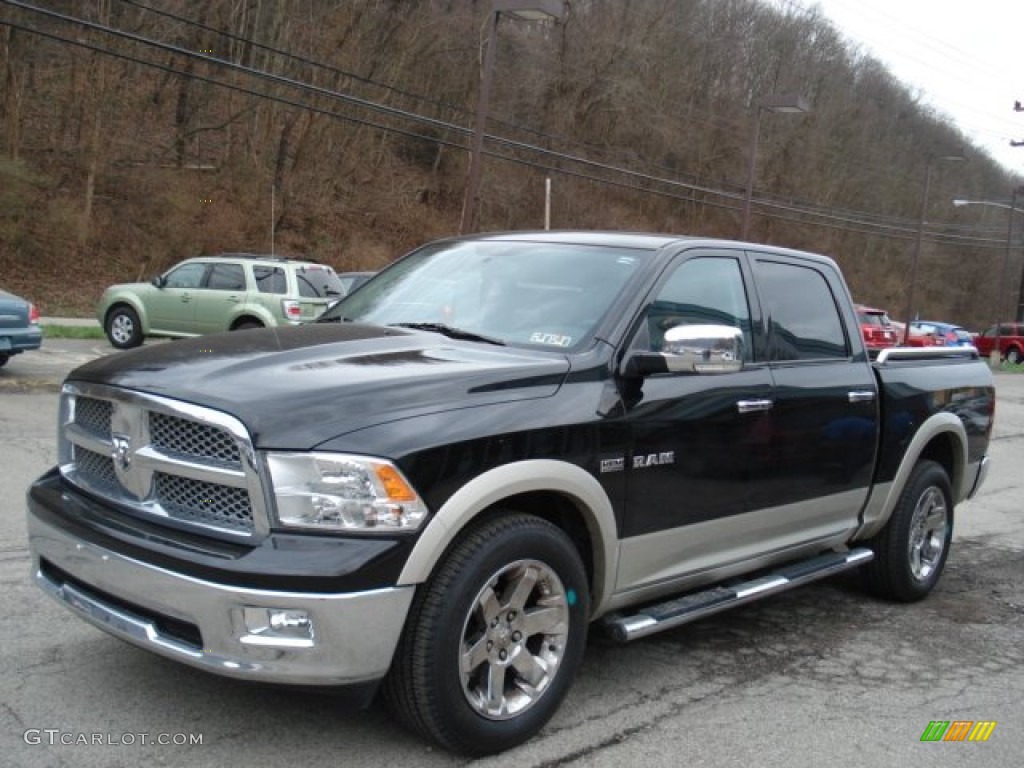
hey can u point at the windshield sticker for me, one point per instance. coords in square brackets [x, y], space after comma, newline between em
[551, 339]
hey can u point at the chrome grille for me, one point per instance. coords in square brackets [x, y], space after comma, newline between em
[163, 459]
[189, 438]
[97, 467]
[216, 505]
[94, 415]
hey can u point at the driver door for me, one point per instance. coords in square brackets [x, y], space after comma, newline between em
[701, 443]
[172, 308]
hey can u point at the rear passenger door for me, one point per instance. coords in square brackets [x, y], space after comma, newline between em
[218, 300]
[825, 411]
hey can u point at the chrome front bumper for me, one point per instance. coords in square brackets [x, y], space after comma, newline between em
[352, 639]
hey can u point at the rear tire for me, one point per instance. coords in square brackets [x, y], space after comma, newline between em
[4, 357]
[123, 327]
[248, 325]
[911, 550]
[1013, 356]
[494, 639]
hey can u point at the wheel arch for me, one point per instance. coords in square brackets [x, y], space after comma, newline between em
[556, 491]
[942, 439]
[249, 315]
[132, 303]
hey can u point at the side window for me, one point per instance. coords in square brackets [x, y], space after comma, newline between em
[803, 320]
[270, 279]
[186, 276]
[701, 291]
[226, 277]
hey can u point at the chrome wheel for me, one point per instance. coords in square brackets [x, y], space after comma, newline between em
[514, 639]
[928, 534]
[494, 638]
[911, 550]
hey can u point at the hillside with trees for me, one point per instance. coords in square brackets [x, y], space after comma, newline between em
[135, 134]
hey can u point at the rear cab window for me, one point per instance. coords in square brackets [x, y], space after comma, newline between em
[802, 317]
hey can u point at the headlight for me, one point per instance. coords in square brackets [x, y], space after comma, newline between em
[333, 491]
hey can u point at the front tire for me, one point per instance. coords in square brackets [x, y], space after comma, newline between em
[911, 550]
[123, 327]
[493, 639]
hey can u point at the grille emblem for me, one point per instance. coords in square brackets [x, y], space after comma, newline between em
[122, 453]
[128, 441]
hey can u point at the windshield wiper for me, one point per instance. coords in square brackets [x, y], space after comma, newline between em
[333, 319]
[450, 332]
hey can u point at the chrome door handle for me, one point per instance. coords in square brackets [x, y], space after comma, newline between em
[751, 406]
[861, 396]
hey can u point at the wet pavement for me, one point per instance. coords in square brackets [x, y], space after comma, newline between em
[822, 675]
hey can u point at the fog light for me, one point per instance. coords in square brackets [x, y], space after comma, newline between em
[281, 627]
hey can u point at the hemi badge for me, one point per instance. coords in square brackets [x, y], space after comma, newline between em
[613, 465]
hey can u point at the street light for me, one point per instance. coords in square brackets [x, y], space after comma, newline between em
[1012, 208]
[920, 235]
[528, 10]
[787, 104]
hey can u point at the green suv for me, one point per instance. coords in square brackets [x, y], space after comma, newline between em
[229, 292]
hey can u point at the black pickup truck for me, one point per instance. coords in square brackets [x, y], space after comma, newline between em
[498, 441]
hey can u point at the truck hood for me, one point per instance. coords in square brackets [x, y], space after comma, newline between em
[295, 388]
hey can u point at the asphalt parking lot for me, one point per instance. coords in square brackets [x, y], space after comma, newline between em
[819, 676]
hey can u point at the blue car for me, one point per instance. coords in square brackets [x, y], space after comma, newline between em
[937, 334]
[19, 326]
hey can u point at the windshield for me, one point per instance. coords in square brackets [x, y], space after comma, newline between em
[879, 319]
[543, 294]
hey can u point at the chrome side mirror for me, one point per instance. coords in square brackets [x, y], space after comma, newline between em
[704, 348]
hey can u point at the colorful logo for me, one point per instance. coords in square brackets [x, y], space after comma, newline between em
[958, 730]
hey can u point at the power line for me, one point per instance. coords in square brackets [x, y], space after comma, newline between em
[709, 117]
[828, 218]
[692, 112]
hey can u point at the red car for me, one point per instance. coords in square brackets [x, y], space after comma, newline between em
[877, 328]
[1011, 342]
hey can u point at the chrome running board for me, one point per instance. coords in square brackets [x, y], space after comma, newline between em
[697, 605]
